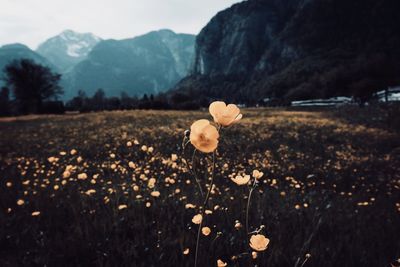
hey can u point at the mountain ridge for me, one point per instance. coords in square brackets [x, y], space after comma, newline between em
[157, 59]
[67, 49]
[296, 49]
[150, 63]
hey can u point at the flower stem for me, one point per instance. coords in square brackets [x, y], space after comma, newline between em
[204, 210]
[191, 169]
[247, 213]
[248, 205]
[304, 262]
[194, 173]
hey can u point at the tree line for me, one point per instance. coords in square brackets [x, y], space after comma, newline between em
[33, 88]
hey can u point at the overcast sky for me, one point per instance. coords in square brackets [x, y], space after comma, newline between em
[32, 21]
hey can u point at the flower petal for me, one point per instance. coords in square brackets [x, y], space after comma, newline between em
[198, 125]
[232, 110]
[216, 108]
[211, 132]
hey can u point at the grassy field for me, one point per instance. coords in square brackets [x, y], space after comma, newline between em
[76, 190]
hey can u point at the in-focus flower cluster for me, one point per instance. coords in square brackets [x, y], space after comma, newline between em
[203, 135]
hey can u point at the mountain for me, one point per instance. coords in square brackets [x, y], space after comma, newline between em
[296, 49]
[149, 63]
[11, 52]
[67, 49]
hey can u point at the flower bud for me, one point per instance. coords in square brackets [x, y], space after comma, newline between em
[187, 133]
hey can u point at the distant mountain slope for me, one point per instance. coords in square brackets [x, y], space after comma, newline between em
[11, 52]
[297, 49]
[67, 49]
[150, 63]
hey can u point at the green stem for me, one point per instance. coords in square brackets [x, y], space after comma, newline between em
[204, 210]
[247, 212]
[191, 169]
[248, 205]
[195, 174]
[304, 262]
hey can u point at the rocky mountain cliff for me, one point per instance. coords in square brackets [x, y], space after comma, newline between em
[151, 63]
[296, 49]
[67, 49]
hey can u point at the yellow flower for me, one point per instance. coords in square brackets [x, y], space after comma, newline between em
[151, 183]
[241, 180]
[52, 159]
[90, 192]
[35, 213]
[259, 242]
[257, 174]
[206, 230]
[220, 263]
[190, 206]
[204, 136]
[131, 165]
[123, 206]
[155, 193]
[82, 176]
[223, 114]
[66, 174]
[197, 219]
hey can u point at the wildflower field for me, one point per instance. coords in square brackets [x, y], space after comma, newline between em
[117, 189]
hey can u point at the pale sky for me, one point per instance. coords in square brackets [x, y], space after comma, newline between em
[33, 21]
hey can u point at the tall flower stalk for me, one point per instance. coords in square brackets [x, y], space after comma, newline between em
[254, 185]
[192, 168]
[203, 211]
[204, 137]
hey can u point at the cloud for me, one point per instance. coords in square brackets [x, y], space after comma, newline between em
[31, 21]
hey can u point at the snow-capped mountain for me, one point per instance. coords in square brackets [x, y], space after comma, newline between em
[146, 64]
[67, 49]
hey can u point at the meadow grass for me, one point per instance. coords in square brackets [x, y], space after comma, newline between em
[76, 190]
